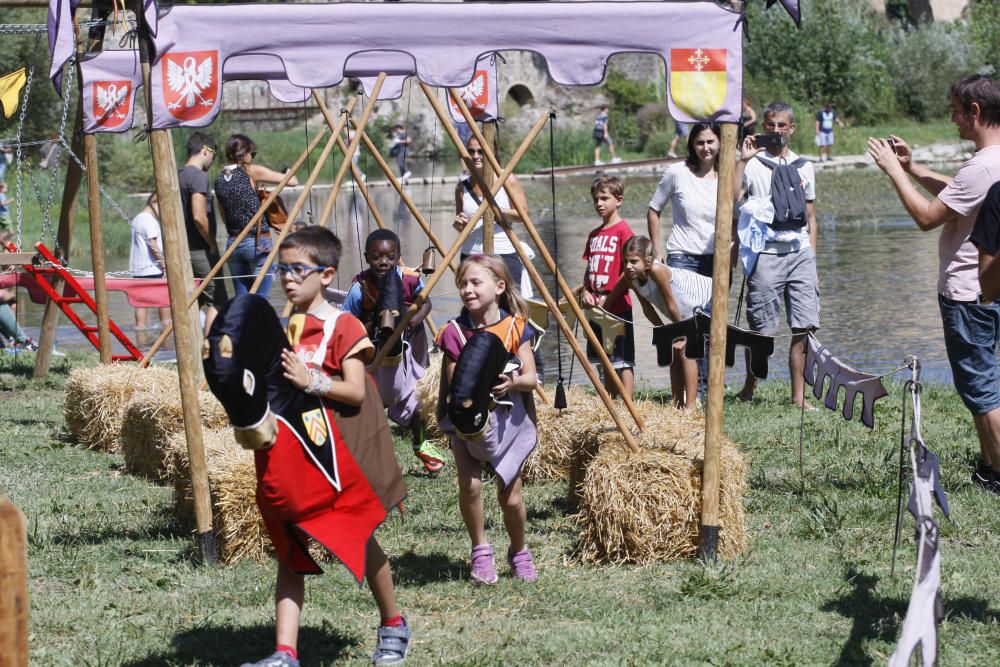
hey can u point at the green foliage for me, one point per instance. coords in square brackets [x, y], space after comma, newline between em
[627, 97]
[840, 54]
[924, 61]
[984, 29]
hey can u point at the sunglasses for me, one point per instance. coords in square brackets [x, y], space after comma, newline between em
[297, 272]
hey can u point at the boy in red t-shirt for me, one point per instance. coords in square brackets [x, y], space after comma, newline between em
[603, 255]
[330, 349]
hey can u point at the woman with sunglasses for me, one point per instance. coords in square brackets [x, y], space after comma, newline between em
[236, 188]
[468, 197]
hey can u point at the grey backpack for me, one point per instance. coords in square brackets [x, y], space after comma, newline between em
[787, 195]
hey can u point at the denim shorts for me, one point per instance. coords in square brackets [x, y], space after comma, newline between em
[971, 331]
[700, 264]
[790, 278]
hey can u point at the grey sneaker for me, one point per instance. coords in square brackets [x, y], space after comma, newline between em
[392, 644]
[276, 659]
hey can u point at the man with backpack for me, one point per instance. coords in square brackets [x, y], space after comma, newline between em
[781, 188]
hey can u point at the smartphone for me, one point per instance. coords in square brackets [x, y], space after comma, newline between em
[892, 145]
[772, 141]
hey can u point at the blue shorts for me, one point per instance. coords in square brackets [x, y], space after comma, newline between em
[624, 354]
[971, 331]
[700, 264]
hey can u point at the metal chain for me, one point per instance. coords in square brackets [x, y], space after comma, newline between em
[20, 136]
[40, 28]
[83, 168]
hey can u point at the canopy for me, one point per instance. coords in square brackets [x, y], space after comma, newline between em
[700, 43]
[112, 78]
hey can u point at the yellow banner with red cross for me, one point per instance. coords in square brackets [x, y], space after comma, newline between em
[698, 80]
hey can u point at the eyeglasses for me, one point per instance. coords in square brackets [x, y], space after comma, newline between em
[477, 151]
[297, 272]
[209, 149]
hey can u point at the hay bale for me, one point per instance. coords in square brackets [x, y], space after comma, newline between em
[149, 422]
[96, 397]
[232, 478]
[646, 507]
[558, 430]
[239, 529]
[427, 397]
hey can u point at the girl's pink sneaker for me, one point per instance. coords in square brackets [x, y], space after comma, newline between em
[483, 569]
[522, 566]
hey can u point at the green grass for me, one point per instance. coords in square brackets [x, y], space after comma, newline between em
[114, 578]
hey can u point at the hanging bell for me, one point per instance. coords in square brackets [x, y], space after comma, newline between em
[560, 400]
[428, 265]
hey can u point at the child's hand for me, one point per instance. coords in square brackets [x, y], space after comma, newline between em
[295, 371]
[460, 221]
[587, 299]
[503, 385]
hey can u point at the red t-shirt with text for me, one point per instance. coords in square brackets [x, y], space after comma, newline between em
[603, 254]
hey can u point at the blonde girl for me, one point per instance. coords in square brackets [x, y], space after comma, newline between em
[491, 304]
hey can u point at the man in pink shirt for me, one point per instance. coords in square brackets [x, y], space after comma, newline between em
[971, 325]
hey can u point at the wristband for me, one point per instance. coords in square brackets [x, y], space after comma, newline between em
[319, 384]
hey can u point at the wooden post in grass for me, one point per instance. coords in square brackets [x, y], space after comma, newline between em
[709, 535]
[180, 281]
[64, 235]
[13, 586]
[97, 246]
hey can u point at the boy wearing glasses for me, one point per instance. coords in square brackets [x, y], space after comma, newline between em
[330, 349]
[378, 297]
[785, 270]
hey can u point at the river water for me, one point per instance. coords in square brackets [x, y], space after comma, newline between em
[877, 272]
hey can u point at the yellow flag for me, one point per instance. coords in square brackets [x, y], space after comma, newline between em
[698, 80]
[10, 89]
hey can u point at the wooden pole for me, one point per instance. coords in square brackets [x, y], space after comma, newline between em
[407, 200]
[709, 534]
[488, 139]
[276, 242]
[178, 285]
[13, 586]
[547, 258]
[97, 246]
[64, 235]
[351, 147]
[429, 284]
[236, 241]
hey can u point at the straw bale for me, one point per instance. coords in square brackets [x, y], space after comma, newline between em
[558, 430]
[646, 507]
[149, 422]
[427, 397]
[96, 397]
[239, 529]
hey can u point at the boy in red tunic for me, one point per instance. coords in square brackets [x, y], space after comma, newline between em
[335, 497]
[603, 255]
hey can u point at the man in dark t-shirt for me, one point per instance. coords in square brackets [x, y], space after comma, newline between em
[199, 220]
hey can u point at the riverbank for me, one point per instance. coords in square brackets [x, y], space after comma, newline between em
[114, 578]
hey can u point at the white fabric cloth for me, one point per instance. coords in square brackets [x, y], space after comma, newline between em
[501, 244]
[691, 290]
[692, 207]
[141, 261]
[757, 179]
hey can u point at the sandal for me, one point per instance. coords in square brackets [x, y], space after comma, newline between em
[392, 644]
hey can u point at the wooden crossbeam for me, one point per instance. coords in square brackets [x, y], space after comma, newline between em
[16, 258]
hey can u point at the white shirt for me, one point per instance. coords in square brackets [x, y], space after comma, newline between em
[691, 290]
[757, 178]
[141, 261]
[501, 244]
[692, 203]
